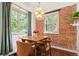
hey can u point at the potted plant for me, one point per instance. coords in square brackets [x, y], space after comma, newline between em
[74, 17]
[36, 31]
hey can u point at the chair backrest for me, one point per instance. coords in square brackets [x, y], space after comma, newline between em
[23, 49]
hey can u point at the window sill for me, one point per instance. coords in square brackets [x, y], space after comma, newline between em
[51, 33]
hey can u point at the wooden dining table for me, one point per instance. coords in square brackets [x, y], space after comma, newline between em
[35, 42]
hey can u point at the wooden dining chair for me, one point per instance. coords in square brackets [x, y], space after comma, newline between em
[24, 49]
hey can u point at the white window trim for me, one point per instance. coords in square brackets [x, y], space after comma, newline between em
[49, 32]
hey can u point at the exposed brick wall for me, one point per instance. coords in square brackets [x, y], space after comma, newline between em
[67, 33]
[40, 27]
[67, 30]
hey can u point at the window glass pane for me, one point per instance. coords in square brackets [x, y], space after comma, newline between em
[19, 22]
[52, 23]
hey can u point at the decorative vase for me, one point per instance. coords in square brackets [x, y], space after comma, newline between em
[35, 33]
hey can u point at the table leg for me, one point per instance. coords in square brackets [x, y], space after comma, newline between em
[50, 48]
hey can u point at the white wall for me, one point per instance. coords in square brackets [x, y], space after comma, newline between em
[78, 38]
[78, 29]
[77, 6]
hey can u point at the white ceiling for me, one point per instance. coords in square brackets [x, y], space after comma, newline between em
[47, 6]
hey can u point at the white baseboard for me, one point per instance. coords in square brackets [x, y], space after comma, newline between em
[60, 48]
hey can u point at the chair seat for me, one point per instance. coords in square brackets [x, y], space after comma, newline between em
[24, 49]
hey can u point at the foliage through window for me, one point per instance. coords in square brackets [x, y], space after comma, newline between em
[51, 23]
[19, 22]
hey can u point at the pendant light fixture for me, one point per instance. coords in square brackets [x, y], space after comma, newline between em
[39, 13]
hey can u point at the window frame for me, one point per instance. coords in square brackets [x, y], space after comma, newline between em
[51, 32]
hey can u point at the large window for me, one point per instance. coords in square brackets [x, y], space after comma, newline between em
[19, 23]
[51, 23]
